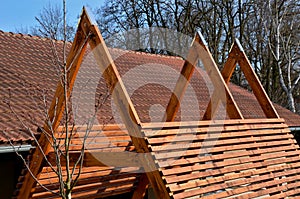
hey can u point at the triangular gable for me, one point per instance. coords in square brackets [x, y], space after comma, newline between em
[200, 51]
[238, 56]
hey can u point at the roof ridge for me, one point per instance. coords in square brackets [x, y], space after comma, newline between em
[145, 53]
[25, 35]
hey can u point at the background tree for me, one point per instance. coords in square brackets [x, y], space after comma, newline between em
[51, 24]
[269, 30]
[281, 20]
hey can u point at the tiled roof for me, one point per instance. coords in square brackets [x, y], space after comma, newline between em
[28, 73]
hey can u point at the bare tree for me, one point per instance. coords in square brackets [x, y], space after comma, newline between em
[269, 31]
[51, 22]
[66, 170]
[281, 21]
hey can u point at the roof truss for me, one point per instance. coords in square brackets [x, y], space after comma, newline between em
[88, 33]
[238, 56]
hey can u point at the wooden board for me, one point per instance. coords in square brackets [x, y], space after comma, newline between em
[233, 158]
[98, 179]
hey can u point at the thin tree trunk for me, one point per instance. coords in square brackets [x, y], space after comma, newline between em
[291, 102]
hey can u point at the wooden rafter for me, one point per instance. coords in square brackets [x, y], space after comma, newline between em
[174, 103]
[199, 50]
[238, 56]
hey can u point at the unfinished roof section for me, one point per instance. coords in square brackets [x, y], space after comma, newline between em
[210, 159]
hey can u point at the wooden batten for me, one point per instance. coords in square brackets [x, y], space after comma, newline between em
[249, 158]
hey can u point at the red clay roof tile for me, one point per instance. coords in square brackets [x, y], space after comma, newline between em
[28, 72]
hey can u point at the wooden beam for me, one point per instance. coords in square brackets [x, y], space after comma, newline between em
[174, 102]
[229, 65]
[182, 82]
[254, 82]
[55, 114]
[125, 107]
[142, 186]
[93, 158]
[221, 92]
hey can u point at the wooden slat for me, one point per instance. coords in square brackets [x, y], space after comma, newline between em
[219, 149]
[100, 158]
[91, 134]
[238, 182]
[103, 186]
[215, 161]
[230, 138]
[293, 189]
[282, 190]
[92, 181]
[90, 176]
[202, 152]
[244, 130]
[230, 177]
[93, 172]
[193, 160]
[238, 131]
[246, 154]
[215, 143]
[106, 127]
[182, 124]
[237, 160]
[208, 173]
[195, 132]
[256, 186]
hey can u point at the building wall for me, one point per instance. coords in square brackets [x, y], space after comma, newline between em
[10, 169]
[296, 135]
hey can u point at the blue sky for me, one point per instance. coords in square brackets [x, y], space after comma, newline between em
[20, 13]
